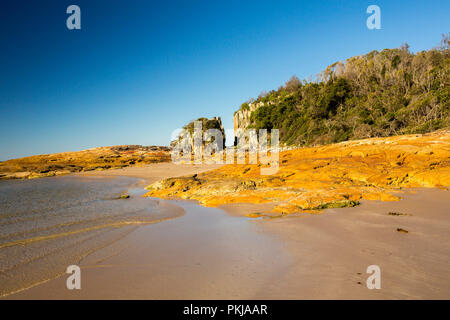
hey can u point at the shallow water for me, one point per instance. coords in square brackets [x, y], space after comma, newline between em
[49, 224]
[205, 254]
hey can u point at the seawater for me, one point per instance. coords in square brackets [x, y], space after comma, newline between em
[51, 223]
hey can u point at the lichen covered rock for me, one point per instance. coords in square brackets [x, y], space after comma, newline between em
[331, 176]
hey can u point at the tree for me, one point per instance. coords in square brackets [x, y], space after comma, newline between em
[293, 84]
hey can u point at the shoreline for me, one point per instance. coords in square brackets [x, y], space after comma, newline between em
[218, 253]
[133, 188]
[71, 217]
[319, 256]
[165, 261]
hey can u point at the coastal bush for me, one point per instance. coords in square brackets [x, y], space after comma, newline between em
[382, 93]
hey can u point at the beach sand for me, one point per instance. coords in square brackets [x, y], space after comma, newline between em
[153, 172]
[332, 250]
[209, 254]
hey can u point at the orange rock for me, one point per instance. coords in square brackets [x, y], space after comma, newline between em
[326, 176]
[91, 159]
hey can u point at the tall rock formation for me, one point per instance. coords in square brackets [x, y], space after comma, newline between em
[241, 118]
[212, 123]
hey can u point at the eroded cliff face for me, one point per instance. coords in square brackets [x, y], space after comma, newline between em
[241, 118]
[337, 175]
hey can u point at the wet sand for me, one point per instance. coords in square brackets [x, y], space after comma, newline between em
[332, 250]
[50, 223]
[209, 254]
[205, 254]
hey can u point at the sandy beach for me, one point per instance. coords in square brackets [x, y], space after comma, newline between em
[320, 133]
[212, 253]
[153, 172]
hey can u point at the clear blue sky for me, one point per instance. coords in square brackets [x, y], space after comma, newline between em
[137, 70]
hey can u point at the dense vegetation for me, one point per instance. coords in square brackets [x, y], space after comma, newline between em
[213, 123]
[378, 94]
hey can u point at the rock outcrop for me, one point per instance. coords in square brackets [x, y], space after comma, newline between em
[92, 159]
[330, 176]
[212, 123]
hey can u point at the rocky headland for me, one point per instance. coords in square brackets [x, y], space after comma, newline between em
[102, 158]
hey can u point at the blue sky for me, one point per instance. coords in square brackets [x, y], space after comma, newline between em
[137, 70]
